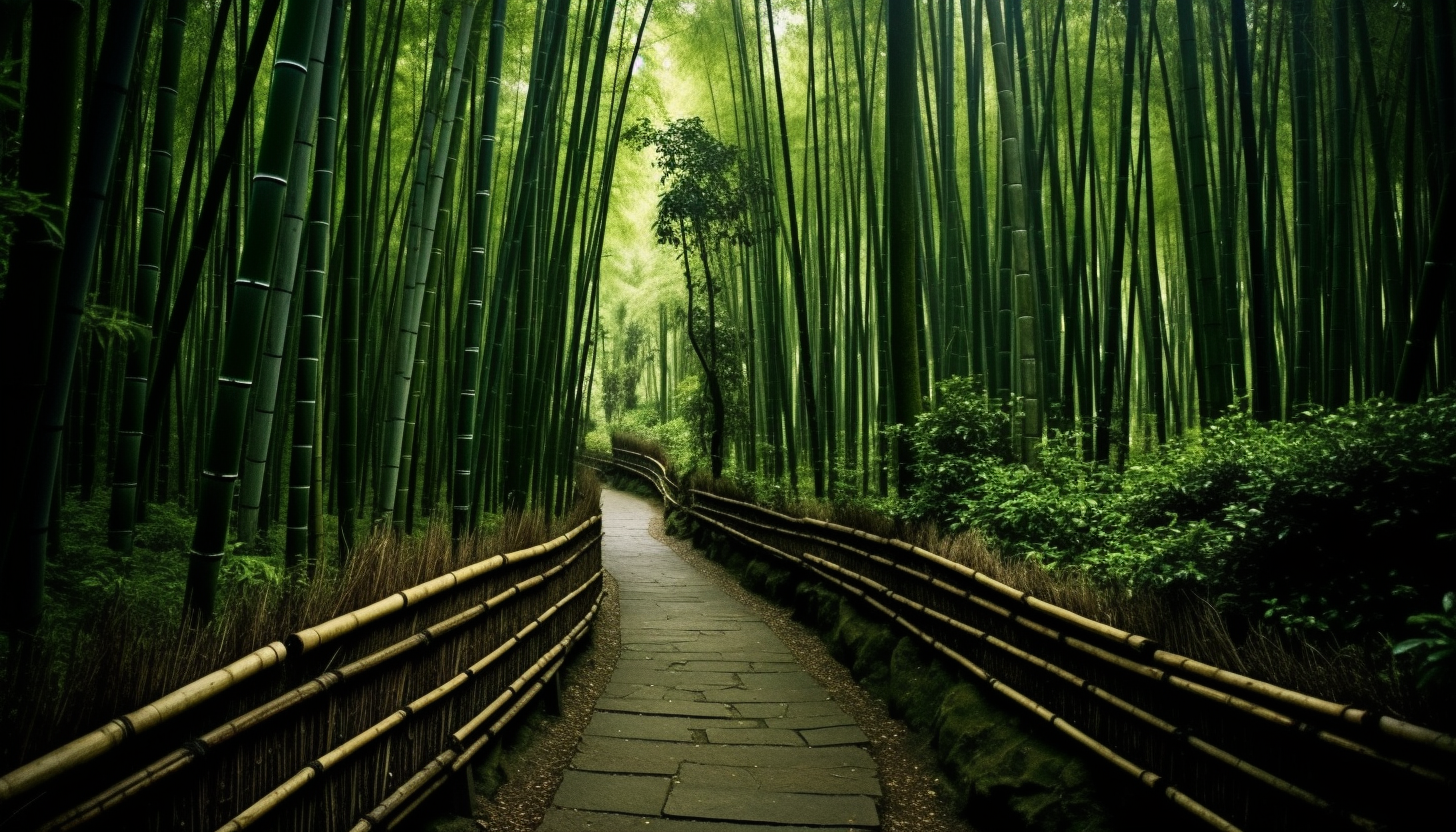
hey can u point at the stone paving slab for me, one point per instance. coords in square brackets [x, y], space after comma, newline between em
[798, 710]
[766, 710]
[754, 736]
[781, 679]
[805, 723]
[670, 729]
[612, 793]
[654, 676]
[838, 780]
[785, 695]
[771, 807]
[707, 724]
[656, 757]
[837, 735]
[676, 707]
[720, 666]
[571, 820]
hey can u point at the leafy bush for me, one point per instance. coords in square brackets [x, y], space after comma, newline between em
[86, 575]
[678, 436]
[1438, 646]
[1333, 521]
[952, 445]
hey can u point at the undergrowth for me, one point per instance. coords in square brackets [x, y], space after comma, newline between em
[86, 575]
[1334, 521]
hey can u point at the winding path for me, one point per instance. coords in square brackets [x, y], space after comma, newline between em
[708, 724]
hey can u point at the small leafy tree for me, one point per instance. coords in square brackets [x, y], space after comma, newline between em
[702, 210]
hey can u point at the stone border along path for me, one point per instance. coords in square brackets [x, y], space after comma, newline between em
[708, 724]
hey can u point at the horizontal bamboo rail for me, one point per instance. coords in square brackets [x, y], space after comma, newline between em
[111, 735]
[305, 640]
[119, 730]
[457, 754]
[339, 753]
[1180, 734]
[1223, 698]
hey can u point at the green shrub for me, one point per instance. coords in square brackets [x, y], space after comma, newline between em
[952, 445]
[86, 575]
[1332, 521]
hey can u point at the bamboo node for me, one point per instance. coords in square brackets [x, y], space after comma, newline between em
[127, 729]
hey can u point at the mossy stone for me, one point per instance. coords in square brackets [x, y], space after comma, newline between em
[918, 684]
[755, 577]
[450, 824]
[815, 606]
[779, 585]
[864, 645]
[1009, 773]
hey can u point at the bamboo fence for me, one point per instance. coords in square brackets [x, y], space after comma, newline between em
[350, 723]
[1231, 750]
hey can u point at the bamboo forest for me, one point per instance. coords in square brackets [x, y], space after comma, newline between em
[1013, 350]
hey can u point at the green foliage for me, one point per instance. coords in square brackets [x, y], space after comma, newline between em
[951, 444]
[109, 324]
[679, 436]
[1438, 647]
[708, 193]
[15, 202]
[87, 576]
[1334, 521]
[624, 365]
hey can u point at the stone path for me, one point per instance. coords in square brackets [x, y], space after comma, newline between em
[708, 724]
